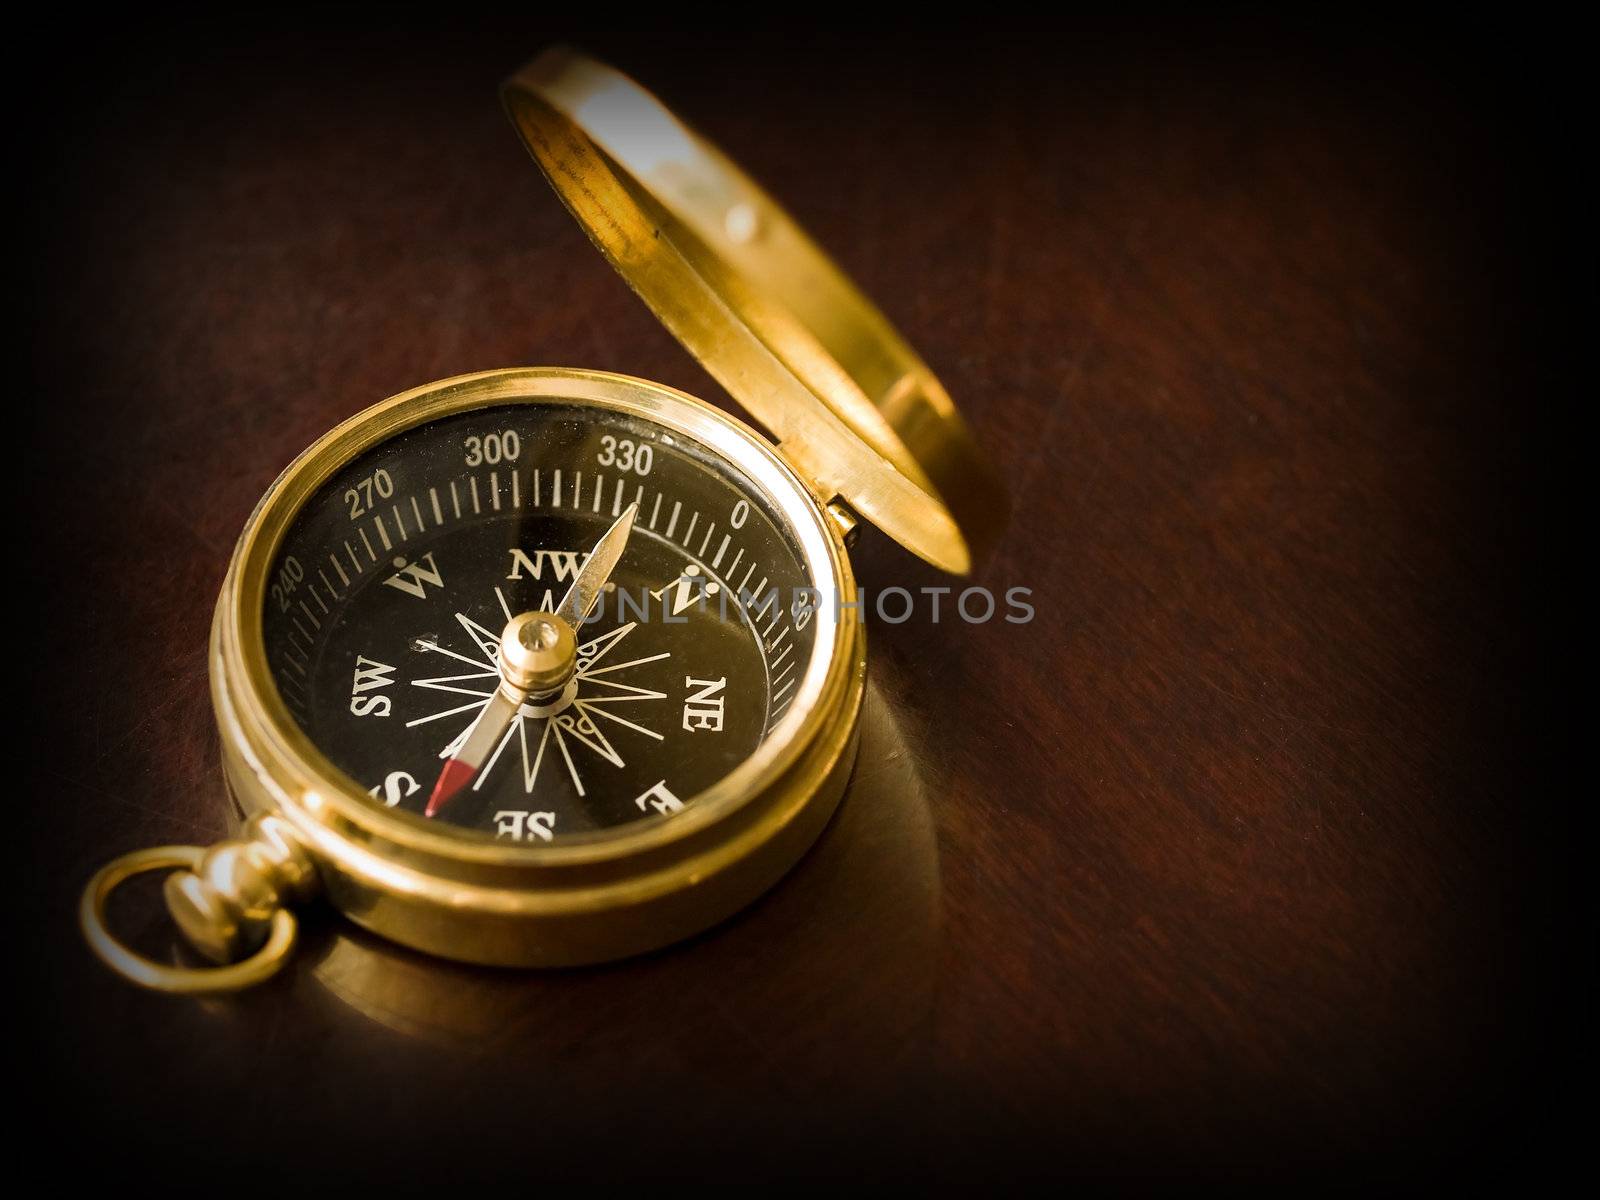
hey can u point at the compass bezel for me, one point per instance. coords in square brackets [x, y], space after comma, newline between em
[588, 896]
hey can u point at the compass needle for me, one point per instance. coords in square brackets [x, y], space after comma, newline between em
[536, 655]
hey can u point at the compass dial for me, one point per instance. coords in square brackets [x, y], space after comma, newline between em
[388, 597]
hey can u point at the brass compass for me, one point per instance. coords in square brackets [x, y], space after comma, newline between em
[547, 666]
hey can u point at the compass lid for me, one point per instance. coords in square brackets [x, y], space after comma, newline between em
[731, 275]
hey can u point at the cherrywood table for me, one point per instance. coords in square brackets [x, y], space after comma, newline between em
[1226, 863]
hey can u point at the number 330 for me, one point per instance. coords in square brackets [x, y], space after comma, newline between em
[625, 455]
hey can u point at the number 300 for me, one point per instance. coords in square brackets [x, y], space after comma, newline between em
[495, 448]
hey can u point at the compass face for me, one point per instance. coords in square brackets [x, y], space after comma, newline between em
[388, 597]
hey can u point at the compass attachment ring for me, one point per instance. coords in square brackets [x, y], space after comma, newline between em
[145, 972]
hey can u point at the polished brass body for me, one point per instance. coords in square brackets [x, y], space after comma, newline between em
[863, 427]
[584, 898]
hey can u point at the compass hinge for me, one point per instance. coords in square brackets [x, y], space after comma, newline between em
[844, 519]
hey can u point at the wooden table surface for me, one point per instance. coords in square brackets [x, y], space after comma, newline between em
[1223, 864]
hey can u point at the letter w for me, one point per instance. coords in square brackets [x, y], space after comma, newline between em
[412, 579]
[371, 674]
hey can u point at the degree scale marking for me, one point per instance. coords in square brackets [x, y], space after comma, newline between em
[696, 557]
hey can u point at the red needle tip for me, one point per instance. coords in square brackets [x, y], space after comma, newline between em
[455, 776]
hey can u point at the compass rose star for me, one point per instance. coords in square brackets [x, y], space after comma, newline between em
[578, 719]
